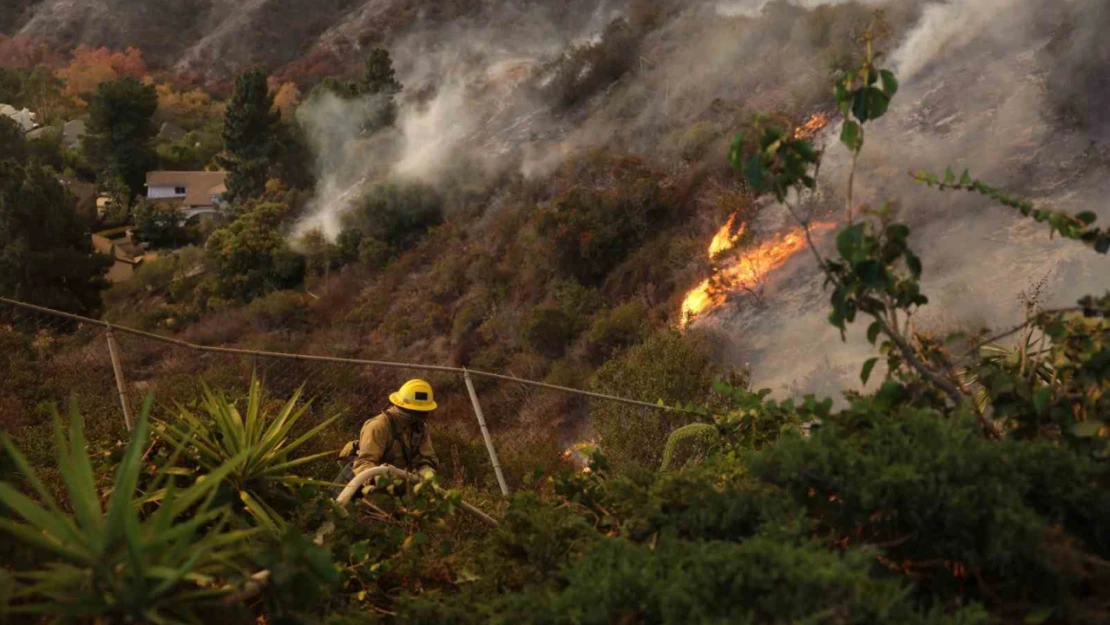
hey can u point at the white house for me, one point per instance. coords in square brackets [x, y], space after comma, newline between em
[25, 119]
[196, 192]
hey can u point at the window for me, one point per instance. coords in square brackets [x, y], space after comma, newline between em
[179, 190]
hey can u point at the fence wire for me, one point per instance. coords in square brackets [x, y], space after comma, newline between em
[51, 356]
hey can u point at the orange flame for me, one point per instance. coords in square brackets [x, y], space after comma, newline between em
[725, 239]
[746, 273]
[813, 125]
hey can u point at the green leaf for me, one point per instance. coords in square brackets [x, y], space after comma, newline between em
[873, 331]
[736, 152]
[965, 179]
[872, 274]
[1041, 399]
[890, 82]
[914, 264]
[852, 135]
[868, 366]
[754, 172]
[260, 512]
[949, 176]
[848, 241]
[877, 103]
[1087, 217]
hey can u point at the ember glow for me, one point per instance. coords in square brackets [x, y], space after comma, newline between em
[745, 273]
[813, 125]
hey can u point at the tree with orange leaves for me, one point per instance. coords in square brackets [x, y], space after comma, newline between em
[92, 66]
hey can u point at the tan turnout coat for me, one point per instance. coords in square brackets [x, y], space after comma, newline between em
[390, 438]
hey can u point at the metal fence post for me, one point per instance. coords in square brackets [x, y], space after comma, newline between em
[485, 433]
[113, 351]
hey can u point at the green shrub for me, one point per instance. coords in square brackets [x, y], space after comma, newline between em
[396, 214]
[697, 140]
[667, 367]
[584, 70]
[250, 256]
[615, 330]
[113, 562]
[549, 331]
[935, 492]
[372, 252]
[254, 441]
[281, 310]
[594, 226]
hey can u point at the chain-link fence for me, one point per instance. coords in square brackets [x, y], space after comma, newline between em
[111, 370]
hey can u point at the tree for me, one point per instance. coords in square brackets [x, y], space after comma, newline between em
[13, 145]
[396, 214]
[159, 225]
[250, 256]
[11, 86]
[378, 81]
[251, 136]
[121, 131]
[47, 256]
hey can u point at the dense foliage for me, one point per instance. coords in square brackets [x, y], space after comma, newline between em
[47, 255]
[121, 131]
[250, 136]
[251, 257]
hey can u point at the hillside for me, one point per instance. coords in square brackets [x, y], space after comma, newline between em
[888, 214]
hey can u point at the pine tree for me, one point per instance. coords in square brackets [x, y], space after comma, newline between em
[120, 140]
[379, 79]
[380, 76]
[251, 136]
[47, 256]
[377, 82]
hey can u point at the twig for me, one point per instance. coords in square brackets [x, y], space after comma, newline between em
[1019, 328]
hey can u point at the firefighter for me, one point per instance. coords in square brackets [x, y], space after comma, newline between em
[398, 436]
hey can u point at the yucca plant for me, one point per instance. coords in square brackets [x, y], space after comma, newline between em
[123, 562]
[260, 441]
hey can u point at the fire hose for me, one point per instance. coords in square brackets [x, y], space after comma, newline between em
[258, 580]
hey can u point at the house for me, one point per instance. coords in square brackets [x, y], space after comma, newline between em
[118, 244]
[73, 132]
[194, 192]
[85, 192]
[25, 119]
[170, 132]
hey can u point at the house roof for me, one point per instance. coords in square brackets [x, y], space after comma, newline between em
[200, 186]
[123, 249]
[170, 131]
[84, 191]
[73, 131]
[25, 118]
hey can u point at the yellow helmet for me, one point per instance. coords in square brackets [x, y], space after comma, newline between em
[414, 395]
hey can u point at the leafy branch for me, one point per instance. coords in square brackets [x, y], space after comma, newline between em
[1075, 227]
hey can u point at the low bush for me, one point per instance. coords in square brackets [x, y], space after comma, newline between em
[280, 310]
[594, 225]
[549, 331]
[667, 367]
[250, 256]
[615, 330]
[396, 214]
